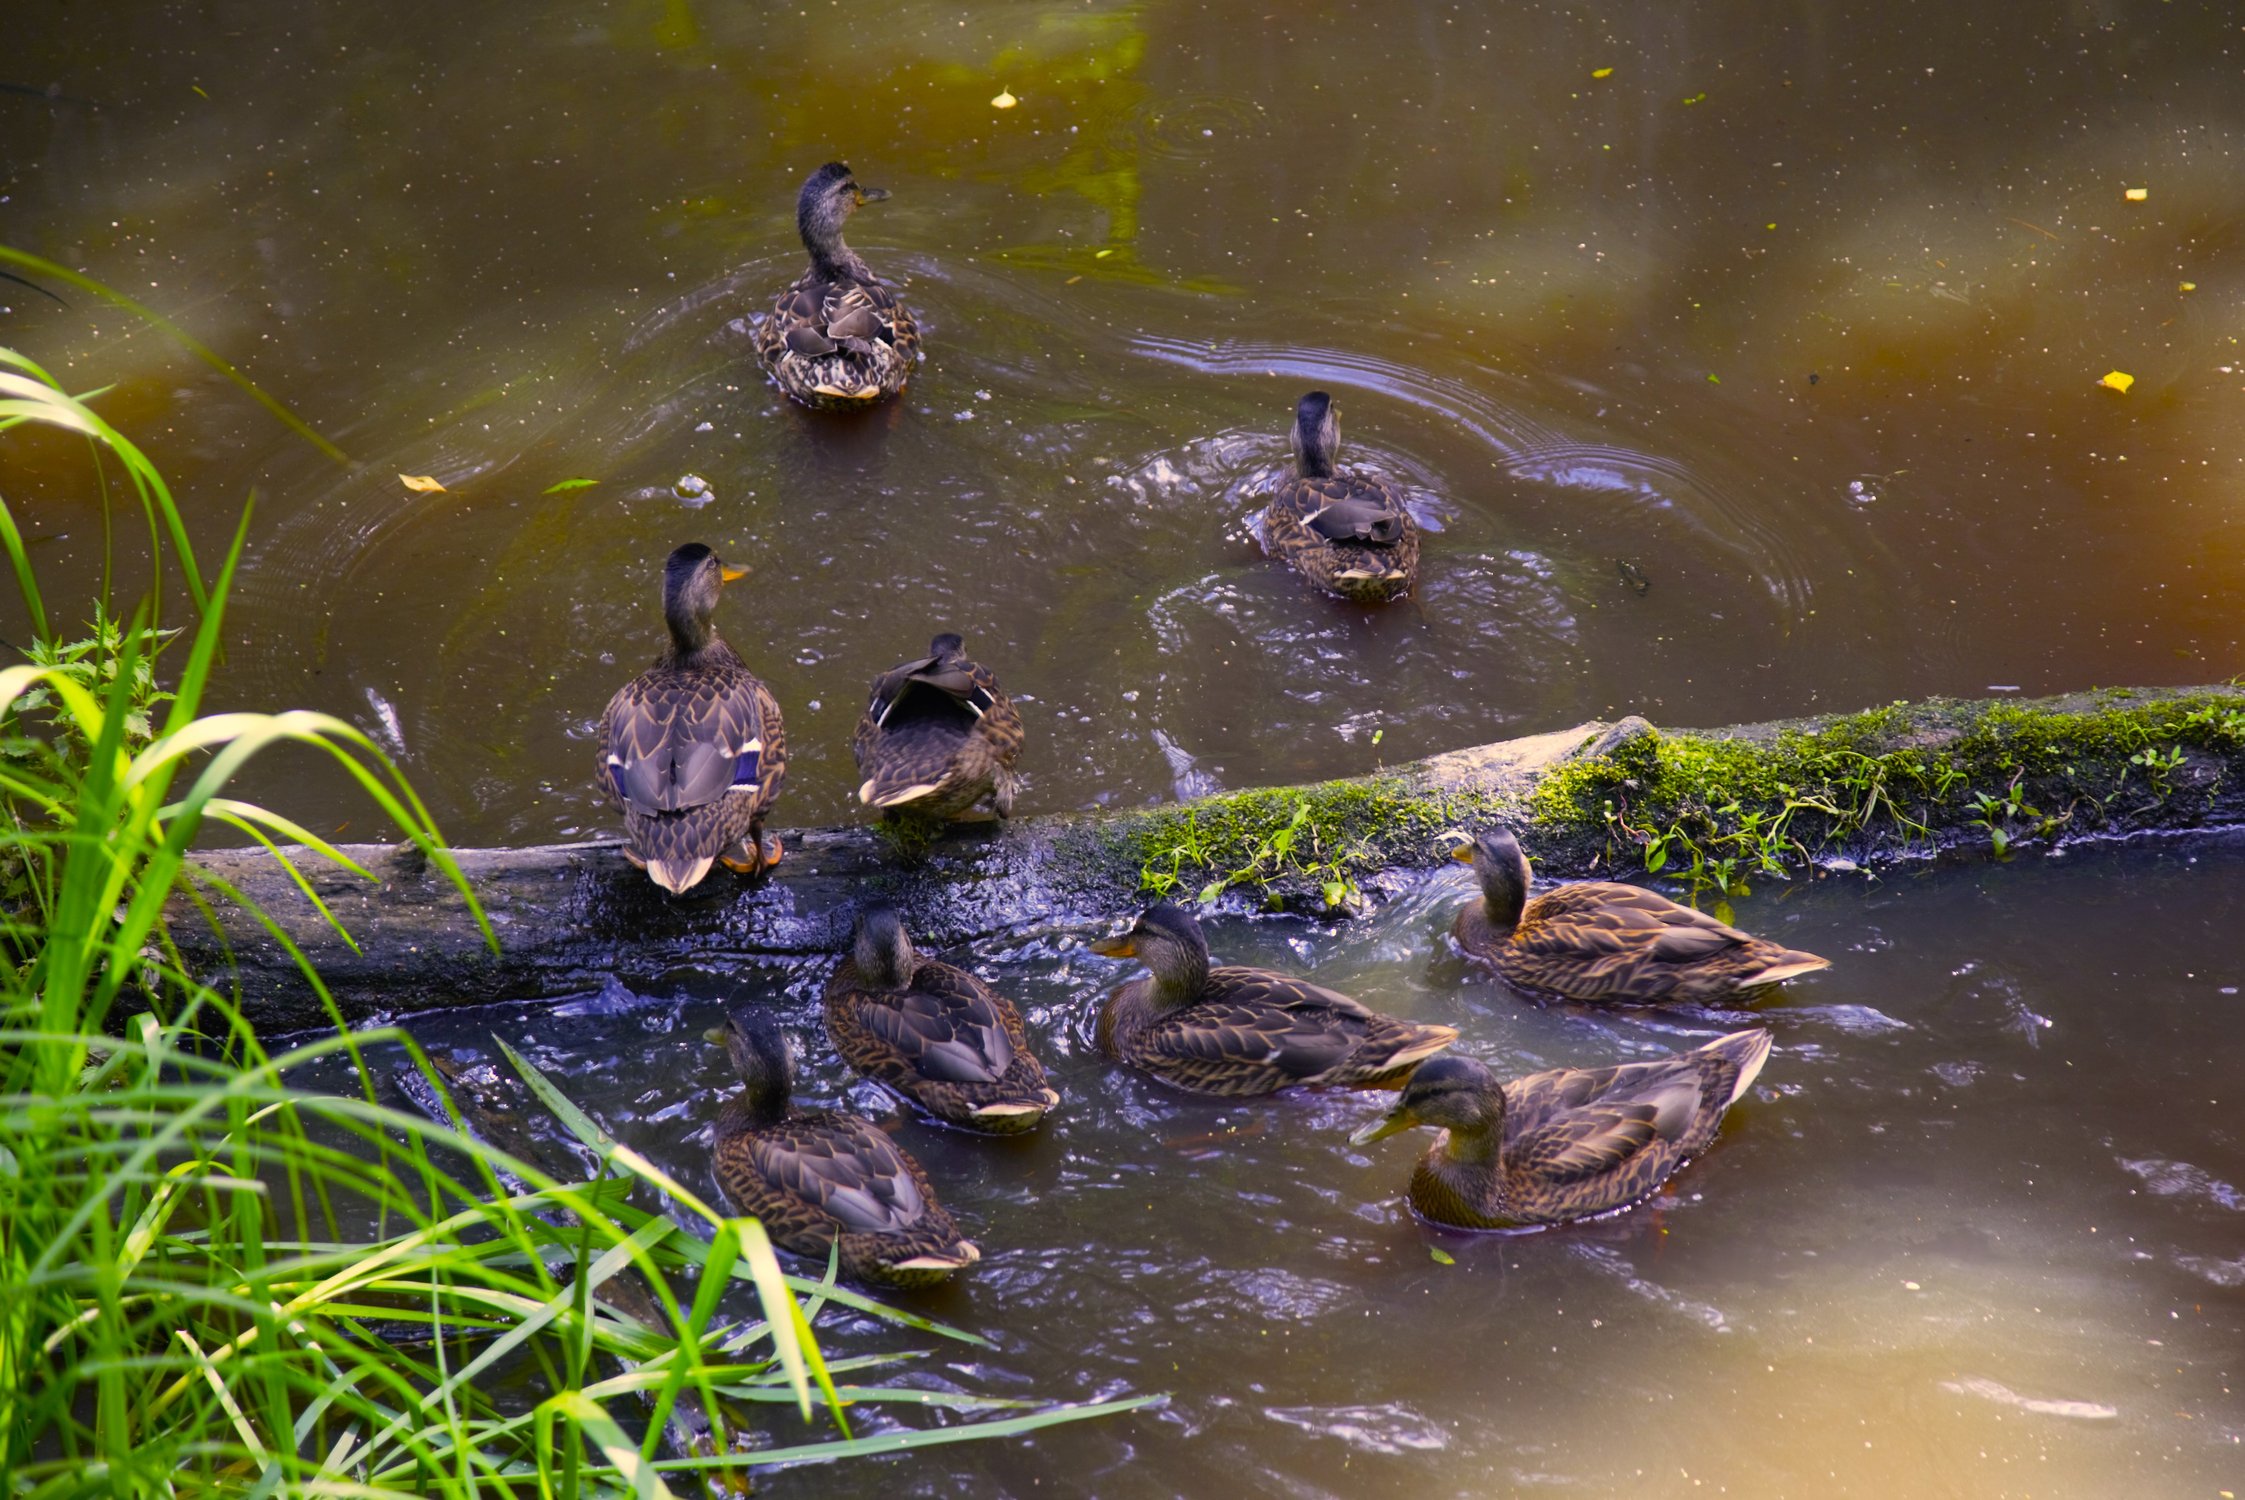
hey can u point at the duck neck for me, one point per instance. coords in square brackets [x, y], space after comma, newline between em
[1504, 896]
[830, 257]
[1313, 456]
[1179, 982]
[691, 635]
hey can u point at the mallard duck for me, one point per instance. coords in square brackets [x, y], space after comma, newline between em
[838, 338]
[1232, 1030]
[818, 1178]
[1348, 533]
[693, 748]
[937, 1035]
[1565, 1144]
[1596, 940]
[938, 736]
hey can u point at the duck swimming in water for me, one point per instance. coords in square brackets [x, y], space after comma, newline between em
[1348, 533]
[838, 339]
[818, 1178]
[1227, 1029]
[692, 749]
[1599, 941]
[1567, 1144]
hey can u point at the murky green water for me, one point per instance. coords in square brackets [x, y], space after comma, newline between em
[1799, 311]
[1977, 1231]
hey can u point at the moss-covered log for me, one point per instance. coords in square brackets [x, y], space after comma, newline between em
[1709, 807]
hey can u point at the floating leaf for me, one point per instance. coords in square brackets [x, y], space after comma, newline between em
[1440, 1256]
[567, 484]
[2188, 286]
[2137, 195]
[1005, 100]
[421, 484]
[1601, 72]
[1696, 98]
[2119, 380]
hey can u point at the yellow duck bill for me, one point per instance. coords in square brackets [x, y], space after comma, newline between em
[1394, 1122]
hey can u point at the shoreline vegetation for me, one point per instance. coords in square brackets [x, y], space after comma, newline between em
[218, 1276]
[1719, 812]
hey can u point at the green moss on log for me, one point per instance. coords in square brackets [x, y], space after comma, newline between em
[1909, 777]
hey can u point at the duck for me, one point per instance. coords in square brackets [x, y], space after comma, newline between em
[938, 737]
[838, 339]
[692, 749]
[1607, 943]
[1229, 1030]
[1348, 533]
[1568, 1144]
[937, 1035]
[819, 1179]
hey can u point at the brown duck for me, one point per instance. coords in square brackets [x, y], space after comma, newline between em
[692, 749]
[838, 339]
[1232, 1030]
[1599, 941]
[818, 1179]
[937, 1035]
[938, 736]
[1348, 533]
[1567, 1144]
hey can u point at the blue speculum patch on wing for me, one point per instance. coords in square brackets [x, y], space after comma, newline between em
[744, 769]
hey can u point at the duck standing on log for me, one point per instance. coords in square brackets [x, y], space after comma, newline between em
[1599, 941]
[1568, 1144]
[818, 1178]
[938, 736]
[1348, 533]
[838, 339]
[936, 1034]
[692, 749]
[1227, 1029]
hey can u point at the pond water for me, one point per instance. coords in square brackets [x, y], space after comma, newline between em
[1798, 310]
[1976, 1232]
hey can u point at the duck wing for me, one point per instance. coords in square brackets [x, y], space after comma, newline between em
[945, 1031]
[1349, 509]
[842, 1166]
[1254, 1016]
[679, 738]
[1571, 1124]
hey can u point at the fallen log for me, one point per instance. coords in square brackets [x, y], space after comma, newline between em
[1709, 807]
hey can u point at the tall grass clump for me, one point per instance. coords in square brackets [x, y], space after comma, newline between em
[216, 1277]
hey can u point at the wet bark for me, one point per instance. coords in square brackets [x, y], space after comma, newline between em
[1587, 801]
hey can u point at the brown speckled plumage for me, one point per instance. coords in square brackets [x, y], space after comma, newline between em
[692, 750]
[1606, 943]
[1236, 1031]
[839, 338]
[936, 1034]
[1568, 1144]
[938, 736]
[819, 1179]
[1347, 533]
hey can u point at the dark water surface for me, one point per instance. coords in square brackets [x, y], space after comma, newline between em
[1799, 311]
[1978, 1231]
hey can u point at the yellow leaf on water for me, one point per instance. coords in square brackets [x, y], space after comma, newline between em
[1005, 100]
[2138, 195]
[1602, 72]
[2119, 380]
[2189, 286]
[421, 484]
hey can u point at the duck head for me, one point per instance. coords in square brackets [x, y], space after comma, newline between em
[1316, 436]
[692, 580]
[830, 195]
[1498, 860]
[882, 949]
[1449, 1093]
[1168, 941]
[759, 1055]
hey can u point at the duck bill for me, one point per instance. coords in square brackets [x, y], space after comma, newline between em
[1463, 854]
[872, 195]
[1394, 1122]
[730, 573]
[1115, 947]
